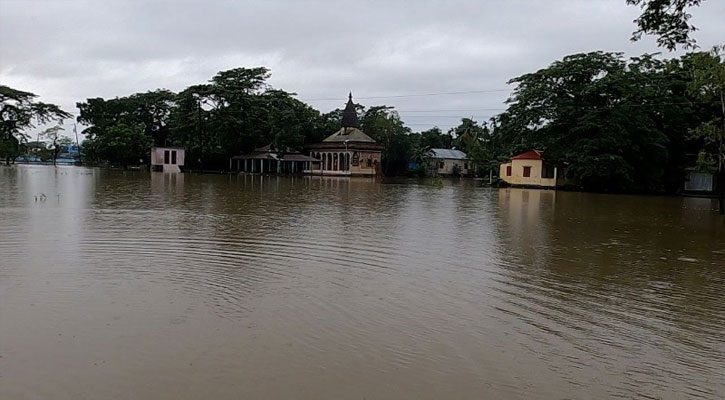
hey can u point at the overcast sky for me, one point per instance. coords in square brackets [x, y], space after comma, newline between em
[69, 50]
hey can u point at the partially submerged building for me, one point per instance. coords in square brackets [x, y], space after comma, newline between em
[447, 162]
[699, 182]
[347, 152]
[531, 169]
[267, 159]
[167, 159]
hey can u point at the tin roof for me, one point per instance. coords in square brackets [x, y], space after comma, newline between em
[451, 154]
[298, 157]
[268, 152]
[350, 135]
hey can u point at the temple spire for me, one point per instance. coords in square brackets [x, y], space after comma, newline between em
[349, 115]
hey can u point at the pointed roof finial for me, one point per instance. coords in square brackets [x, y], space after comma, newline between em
[349, 114]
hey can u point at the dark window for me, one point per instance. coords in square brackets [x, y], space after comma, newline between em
[547, 171]
[370, 162]
[465, 165]
[441, 165]
[166, 156]
[173, 157]
[527, 172]
[508, 170]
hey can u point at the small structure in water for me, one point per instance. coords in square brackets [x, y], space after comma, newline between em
[531, 169]
[167, 159]
[447, 162]
[267, 159]
[348, 151]
[700, 182]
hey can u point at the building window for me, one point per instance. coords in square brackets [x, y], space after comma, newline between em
[166, 156]
[527, 172]
[441, 165]
[508, 170]
[370, 162]
[465, 165]
[173, 157]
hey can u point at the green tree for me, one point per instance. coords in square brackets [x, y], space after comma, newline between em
[21, 111]
[434, 138]
[669, 20]
[122, 144]
[594, 112]
[53, 134]
[467, 135]
[383, 124]
[152, 109]
[708, 84]
[238, 111]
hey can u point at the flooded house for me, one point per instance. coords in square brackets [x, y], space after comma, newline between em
[700, 182]
[347, 152]
[531, 169]
[268, 159]
[447, 162]
[167, 159]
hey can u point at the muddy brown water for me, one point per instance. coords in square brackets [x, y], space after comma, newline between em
[137, 285]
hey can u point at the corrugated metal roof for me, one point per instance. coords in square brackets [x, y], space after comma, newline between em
[298, 157]
[451, 154]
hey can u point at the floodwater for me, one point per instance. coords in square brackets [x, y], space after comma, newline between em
[136, 285]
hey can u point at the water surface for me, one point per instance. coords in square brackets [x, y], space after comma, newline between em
[139, 285]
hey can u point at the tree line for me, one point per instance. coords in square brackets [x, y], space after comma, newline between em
[624, 125]
[619, 124]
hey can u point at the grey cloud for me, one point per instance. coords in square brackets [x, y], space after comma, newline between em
[70, 50]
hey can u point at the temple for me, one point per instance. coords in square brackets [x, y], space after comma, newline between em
[347, 152]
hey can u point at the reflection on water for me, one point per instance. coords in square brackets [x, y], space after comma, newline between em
[138, 285]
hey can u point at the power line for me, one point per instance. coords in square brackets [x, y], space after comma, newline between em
[446, 116]
[451, 110]
[414, 95]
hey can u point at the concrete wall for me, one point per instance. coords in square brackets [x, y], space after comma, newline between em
[157, 155]
[517, 174]
[447, 168]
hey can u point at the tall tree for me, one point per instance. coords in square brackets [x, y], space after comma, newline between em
[53, 134]
[152, 109]
[593, 112]
[122, 144]
[21, 111]
[238, 111]
[383, 124]
[708, 84]
[467, 135]
[669, 20]
[435, 138]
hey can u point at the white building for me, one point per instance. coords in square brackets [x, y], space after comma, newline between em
[167, 159]
[447, 161]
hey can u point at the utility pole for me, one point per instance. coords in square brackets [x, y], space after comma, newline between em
[198, 129]
[78, 145]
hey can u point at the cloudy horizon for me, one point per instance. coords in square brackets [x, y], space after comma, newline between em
[406, 56]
